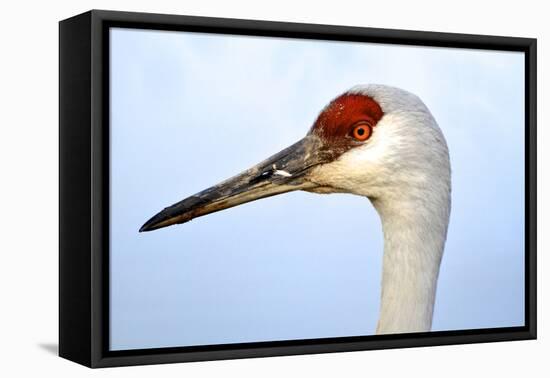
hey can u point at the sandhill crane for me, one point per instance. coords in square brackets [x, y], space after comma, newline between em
[375, 141]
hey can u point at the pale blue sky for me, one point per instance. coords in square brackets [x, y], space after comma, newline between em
[188, 110]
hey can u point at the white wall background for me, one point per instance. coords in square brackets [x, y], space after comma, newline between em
[28, 194]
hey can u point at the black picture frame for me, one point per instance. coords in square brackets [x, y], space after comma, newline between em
[84, 187]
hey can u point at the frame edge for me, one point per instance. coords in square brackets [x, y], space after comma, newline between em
[74, 189]
[94, 355]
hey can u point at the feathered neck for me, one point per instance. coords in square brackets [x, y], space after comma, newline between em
[415, 230]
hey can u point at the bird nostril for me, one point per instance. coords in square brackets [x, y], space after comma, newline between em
[262, 176]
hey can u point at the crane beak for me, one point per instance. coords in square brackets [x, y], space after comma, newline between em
[283, 172]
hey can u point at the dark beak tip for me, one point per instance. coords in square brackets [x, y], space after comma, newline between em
[153, 223]
[146, 227]
[163, 219]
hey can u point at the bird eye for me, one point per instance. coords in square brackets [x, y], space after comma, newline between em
[361, 132]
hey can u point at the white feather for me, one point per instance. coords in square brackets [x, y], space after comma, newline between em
[282, 173]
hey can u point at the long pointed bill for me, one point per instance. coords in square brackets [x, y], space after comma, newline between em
[284, 172]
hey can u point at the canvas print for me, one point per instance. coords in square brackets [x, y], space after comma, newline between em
[272, 189]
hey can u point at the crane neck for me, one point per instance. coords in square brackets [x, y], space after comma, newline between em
[415, 230]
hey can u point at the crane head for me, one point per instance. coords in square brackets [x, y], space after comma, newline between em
[375, 141]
